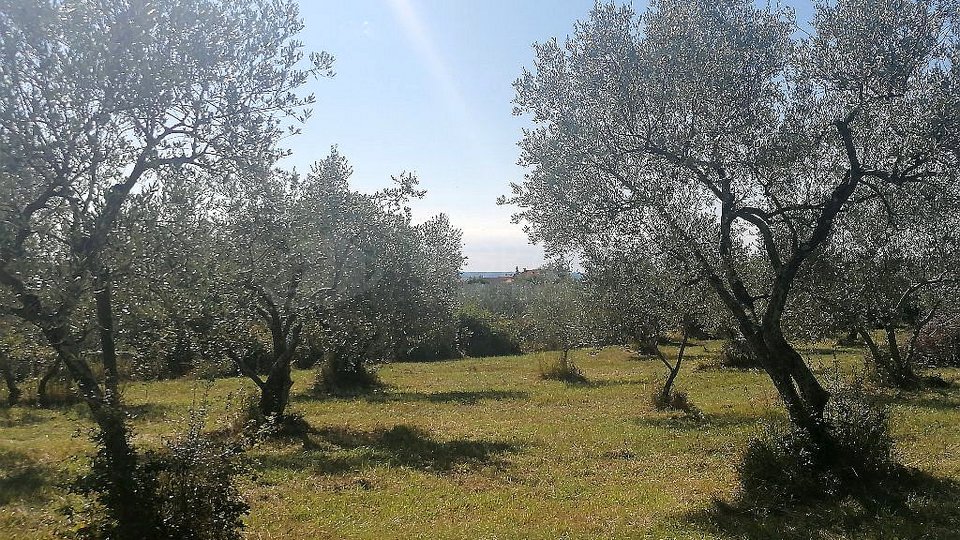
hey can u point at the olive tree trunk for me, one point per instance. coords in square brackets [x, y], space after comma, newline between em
[285, 330]
[13, 391]
[673, 370]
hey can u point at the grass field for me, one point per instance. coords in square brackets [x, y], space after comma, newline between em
[482, 448]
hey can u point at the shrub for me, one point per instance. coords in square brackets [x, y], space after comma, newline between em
[247, 425]
[291, 424]
[57, 392]
[482, 333]
[677, 400]
[562, 370]
[340, 374]
[784, 465]
[186, 490]
[645, 346]
[861, 429]
[157, 355]
[885, 372]
[246, 418]
[778, 466]
[939, 344]
[434, 350]
[196, 488]
[737, 355]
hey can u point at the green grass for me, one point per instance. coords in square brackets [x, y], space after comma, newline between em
[483, 448]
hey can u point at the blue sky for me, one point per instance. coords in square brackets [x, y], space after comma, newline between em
[425, 86]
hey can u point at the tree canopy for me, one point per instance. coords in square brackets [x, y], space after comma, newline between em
[721, 132]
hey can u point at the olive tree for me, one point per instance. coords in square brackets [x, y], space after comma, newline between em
[305, 253]
[648, 295]
[270, 238]
[439, 247]
[98, 99]
[392, 287]
[282, 241]
[556, 319]
[870, 279]
[627, 307]
[23, 354]
[165, 270]
[711, 130]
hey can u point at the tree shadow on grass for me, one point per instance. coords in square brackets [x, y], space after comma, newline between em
[147, 411]
[337, 450]
[926, 508]
[20, 417]
[461, 397]
[138, 412]
[22, 478]
[713, 364]
[702, 422]
[699, 357]
[940, 403]
[825, 351]
[604, 383]
[941, 399]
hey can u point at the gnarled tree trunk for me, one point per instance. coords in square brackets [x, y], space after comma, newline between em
[285, 333]
[892, 367]
[275, 392]
[13, 391]
[53, 369]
